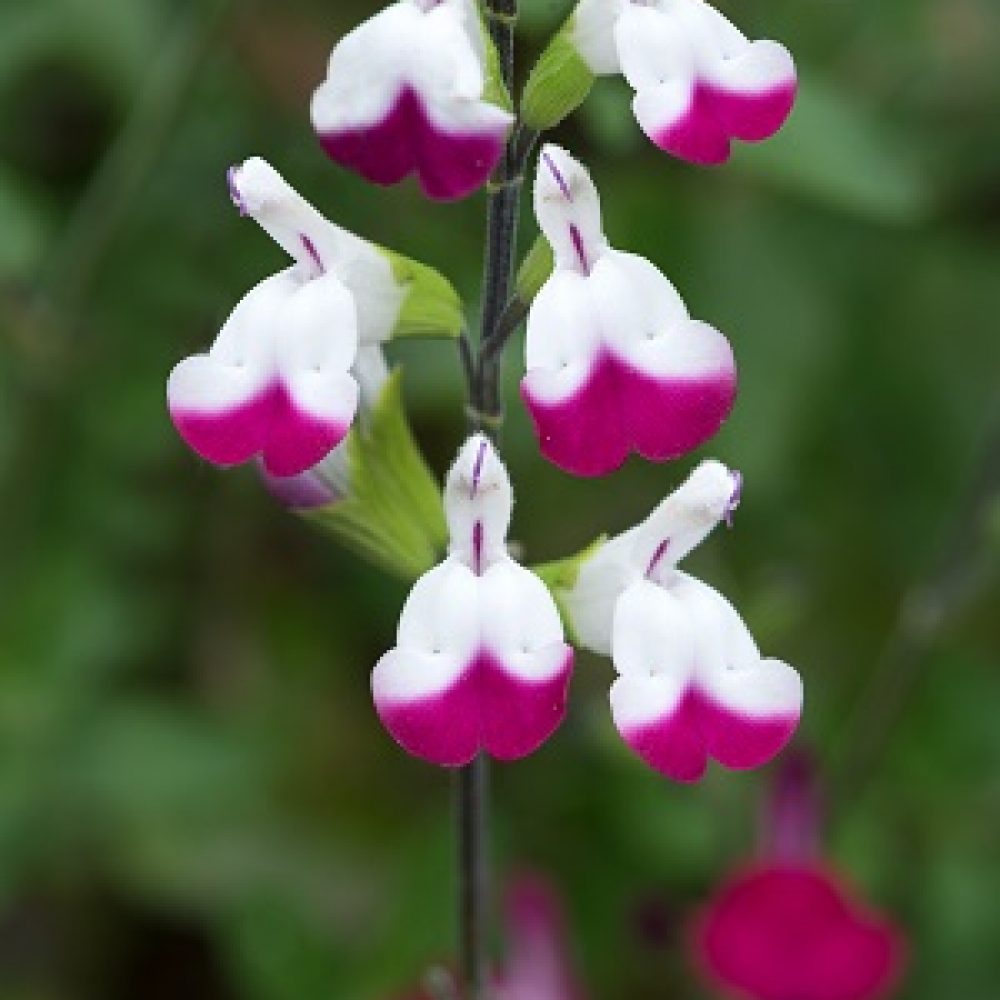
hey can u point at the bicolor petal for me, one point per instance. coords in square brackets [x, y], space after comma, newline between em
[276, 381]
[699, 82]
[615, 363]
[407, 92]
[480, 663]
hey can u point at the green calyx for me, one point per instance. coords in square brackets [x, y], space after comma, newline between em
[560, 577]
[431, 306]
[558, 84]
[393, 515]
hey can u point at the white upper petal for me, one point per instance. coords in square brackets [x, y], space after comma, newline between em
[654, 47]
[295, 225]
[520, 622]
[684, 518]
[478, 491]
[592, 31]
[568, 209]
[242, 361]
[316, 344]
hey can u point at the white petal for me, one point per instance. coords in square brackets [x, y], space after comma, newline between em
[477, 501]
[261, 192]
[653, 633]
[563, 339]
[685, 518]
[654, 47]
[592, 32]
[601, 580]
[316, 348]
[568, 209]
[241, 362]
[520, 622]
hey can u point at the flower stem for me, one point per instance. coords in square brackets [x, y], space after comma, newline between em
[485, 413]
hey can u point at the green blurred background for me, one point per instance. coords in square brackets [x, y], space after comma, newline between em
[196, 799]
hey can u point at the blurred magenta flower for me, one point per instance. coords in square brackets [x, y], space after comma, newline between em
[536, 963]
[699, 82]
[614, 362]
[414, 90]
[788, 927]
[692, 683]
[480, 662]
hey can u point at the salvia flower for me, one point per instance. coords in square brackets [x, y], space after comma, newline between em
[614, 362]
[278, 382]
[699, 82]
[414, 90]
[787, 927]
[691, 682]
[480, 662]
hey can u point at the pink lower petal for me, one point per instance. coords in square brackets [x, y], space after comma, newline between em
[752, 117]
[485, 709]
[680, 743]
[619, 409]
[448, 165]
[270, 425]
[714, 117]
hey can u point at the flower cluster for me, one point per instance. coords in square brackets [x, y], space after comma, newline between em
[297, 382]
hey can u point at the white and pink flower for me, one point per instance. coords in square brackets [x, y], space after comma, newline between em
[692, 684]
[480, 663]
[699, 82]
[614, 362]
[409, 92]
[278, 382]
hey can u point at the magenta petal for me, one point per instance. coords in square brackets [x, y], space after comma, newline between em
[487, 708]
[619, 409]
[270, 425]
[228, 437]
[583, 433]
[752, 117]
[697, 135]
[448, 165]
[786, 932]
[673, 745]
[679, 744]
[666, 418]
[742, 742]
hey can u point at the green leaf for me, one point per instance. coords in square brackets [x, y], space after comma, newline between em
[534, 270]
[393, 515]
[431, 307]
[558, 84]
[560, 575]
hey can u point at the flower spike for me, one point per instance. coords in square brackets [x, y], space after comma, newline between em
[699, 82]
[412, 90]
[691, 681]
[480, 662]
[614, 362]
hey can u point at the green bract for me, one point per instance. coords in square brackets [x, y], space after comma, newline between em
[392, 514]
[431, 306]
[559, 83]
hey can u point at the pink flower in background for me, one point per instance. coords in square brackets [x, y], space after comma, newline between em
[614, 362]
[536, 963]
[699, 82]
[408, 92]
[278, 382]
[692, 684]
[788, 927]
[480, 662]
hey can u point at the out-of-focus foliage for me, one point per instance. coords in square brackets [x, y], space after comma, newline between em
[195, 797]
